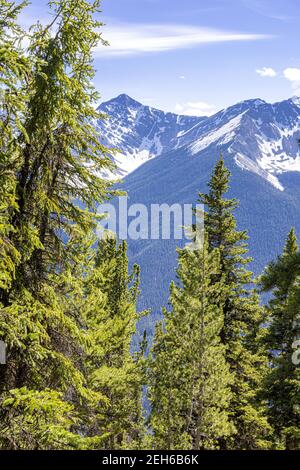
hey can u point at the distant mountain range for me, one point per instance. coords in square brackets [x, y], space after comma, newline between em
[263, 138]
[169, 158]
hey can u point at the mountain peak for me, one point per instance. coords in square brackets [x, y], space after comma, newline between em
[254, 102]
[122, 101]
[126, 100]
[248, 104]
[296, 100]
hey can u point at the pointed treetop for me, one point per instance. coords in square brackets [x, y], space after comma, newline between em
[219, 181]
[291, 245]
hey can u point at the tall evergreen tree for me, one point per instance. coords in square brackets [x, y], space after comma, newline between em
[53, 157]
[189, 377]
[111, 318]
[282, 385]
[13, 71]
[242, 315]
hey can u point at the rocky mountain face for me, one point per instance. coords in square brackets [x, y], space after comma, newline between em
[140, 132]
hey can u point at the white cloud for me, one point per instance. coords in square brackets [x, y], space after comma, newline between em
[292, 74]
[195, 108]
[126, 39]
[266, 72]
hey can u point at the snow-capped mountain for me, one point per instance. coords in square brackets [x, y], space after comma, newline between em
[140, 132]
[262, 138]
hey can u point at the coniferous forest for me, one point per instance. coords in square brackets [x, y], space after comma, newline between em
[222, 371]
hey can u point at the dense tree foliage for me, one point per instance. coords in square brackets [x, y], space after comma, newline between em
[282, 384]
[223, 371]
[239, 317]
[189, 379]
[243, 316]
[111, 296]
[52, 394]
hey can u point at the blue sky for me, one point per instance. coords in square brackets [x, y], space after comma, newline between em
[196, 56]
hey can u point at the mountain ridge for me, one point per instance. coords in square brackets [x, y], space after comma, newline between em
[263, 137]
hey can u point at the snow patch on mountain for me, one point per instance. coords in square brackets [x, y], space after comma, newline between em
[223, 135]
[129, 162]
[281, 155]
[296, 100]
[246, 163]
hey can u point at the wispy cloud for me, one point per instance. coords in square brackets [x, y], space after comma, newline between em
[292, 74]
[286, 11]
[128, 39]
[266, 72]
[196, 108]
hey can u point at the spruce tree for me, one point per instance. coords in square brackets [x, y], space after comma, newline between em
[13, 71]
[189, 377]
[282, 385]
[52, 156]
[111, 317]
[242, 316]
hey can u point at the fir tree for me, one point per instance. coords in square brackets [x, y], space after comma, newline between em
[282, 385]
[242, 316]
[189, 380]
